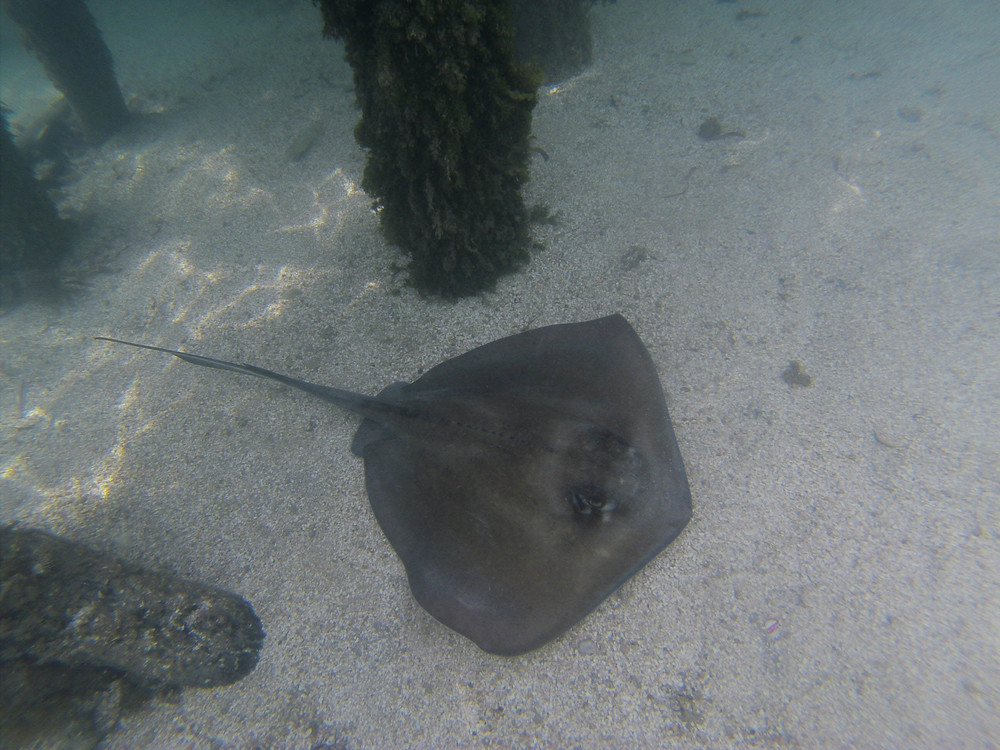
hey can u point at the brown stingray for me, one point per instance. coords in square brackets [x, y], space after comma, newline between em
[521, 482]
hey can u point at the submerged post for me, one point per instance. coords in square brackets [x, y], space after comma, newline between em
[445, 116]
[31, 233]
[555, 34]
[67, 42]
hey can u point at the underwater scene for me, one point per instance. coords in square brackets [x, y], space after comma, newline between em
[499, 373]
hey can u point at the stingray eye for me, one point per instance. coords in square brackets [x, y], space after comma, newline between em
[589, 500]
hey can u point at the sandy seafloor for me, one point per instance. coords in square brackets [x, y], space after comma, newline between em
[838, 584]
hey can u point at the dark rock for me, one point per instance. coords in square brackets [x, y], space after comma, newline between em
[68, 604]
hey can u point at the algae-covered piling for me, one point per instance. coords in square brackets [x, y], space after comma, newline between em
[445, 116]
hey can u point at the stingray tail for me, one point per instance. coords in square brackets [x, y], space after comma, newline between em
[346, 399]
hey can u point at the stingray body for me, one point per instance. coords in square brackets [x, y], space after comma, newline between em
[521, 482]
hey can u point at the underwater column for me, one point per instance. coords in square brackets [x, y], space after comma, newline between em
[31, 233]
[445, 117]
[67, 42]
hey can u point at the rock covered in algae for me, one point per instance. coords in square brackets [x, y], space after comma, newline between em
[62, 708]
[65, 603]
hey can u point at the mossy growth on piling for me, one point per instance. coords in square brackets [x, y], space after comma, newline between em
[445, 116]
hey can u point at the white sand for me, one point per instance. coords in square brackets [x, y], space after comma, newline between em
[838, 585]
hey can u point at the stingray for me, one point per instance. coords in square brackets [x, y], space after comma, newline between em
[521, 482]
